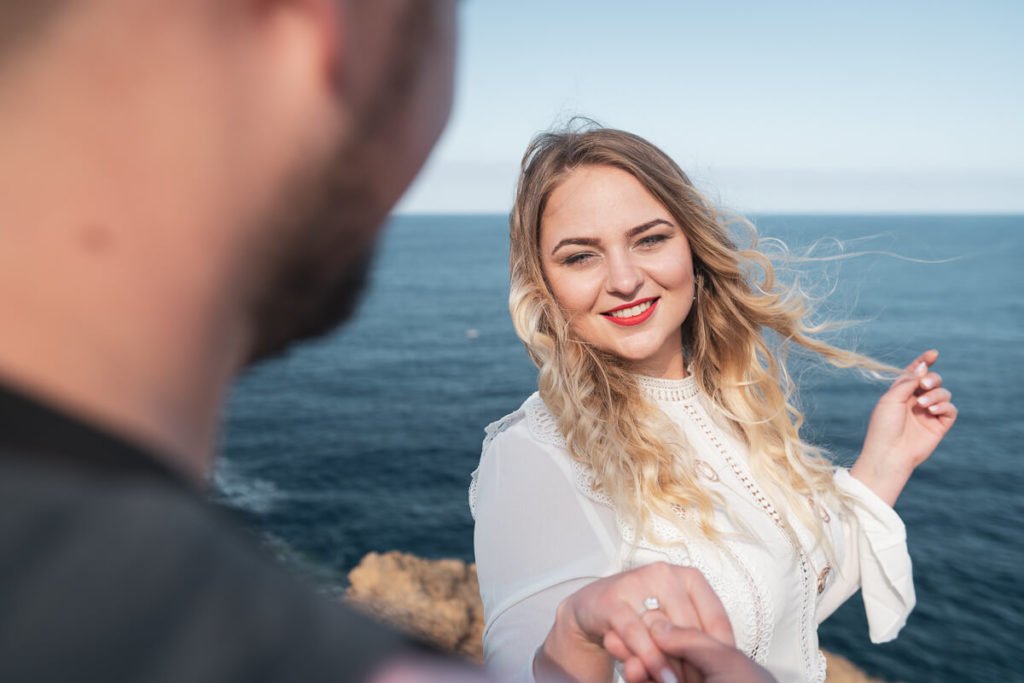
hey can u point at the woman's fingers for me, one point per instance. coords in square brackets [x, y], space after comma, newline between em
[633, 669]
[678, 611]
[714, 660]
[677, 608]
[688, 600]
[939, 402]
[637, 638]
[614, 645]
[928, 358]
[916, 378]
[946, 412]
[710, 611]
[933, 397]
[931, 380]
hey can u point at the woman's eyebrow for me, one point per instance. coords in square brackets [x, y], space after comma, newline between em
[633, 232]
[592, 241]
[582, 241]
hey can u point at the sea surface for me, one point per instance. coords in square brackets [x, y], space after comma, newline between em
[365, 440]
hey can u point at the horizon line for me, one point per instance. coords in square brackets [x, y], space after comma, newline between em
[771, 212]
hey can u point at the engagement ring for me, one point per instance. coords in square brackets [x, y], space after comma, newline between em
[651, 603]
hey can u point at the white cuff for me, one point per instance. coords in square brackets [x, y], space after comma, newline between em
[886, 572]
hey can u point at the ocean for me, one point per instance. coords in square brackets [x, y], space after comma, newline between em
[364, 441]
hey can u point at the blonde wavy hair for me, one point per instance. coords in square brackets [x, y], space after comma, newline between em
[638, 457]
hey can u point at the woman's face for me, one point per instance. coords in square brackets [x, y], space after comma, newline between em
[620, 267]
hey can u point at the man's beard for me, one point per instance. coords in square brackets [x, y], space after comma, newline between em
[317, 264]
[322, 259]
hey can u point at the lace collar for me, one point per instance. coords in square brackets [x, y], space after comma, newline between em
[670, 390]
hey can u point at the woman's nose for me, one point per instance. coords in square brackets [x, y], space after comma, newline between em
[623, 277]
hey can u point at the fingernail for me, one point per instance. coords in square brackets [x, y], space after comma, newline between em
[923, 400]
[921, 368]
[932, 409]
[667, 676]
[928, 383]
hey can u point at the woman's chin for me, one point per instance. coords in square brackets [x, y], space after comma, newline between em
[639, 363]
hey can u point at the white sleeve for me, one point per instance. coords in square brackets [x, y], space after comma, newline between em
[537, 540]
[876, 560]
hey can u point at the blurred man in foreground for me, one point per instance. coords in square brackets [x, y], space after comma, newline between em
[187, 187]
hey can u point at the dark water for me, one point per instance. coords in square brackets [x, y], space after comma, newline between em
[365, 441]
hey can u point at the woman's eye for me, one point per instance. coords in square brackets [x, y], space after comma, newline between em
[576, 259]
[652, 240]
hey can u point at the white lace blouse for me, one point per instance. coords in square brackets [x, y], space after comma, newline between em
[543, 533]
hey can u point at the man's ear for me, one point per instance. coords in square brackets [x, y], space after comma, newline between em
[299, 74]
[318, 26]
[331, 16]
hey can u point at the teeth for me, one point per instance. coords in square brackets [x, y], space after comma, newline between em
[632, 310]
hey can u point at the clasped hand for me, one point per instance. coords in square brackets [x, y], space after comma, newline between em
[688, 638]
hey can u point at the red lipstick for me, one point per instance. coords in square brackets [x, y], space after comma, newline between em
[633, 319]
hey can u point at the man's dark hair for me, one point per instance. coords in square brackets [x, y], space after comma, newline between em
[21, 21]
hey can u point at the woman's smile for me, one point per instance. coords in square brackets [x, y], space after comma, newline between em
[634, 313]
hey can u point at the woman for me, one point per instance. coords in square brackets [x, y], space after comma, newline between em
[664, 436]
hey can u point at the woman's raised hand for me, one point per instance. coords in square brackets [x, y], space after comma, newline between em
[907, 424]
[608, 618]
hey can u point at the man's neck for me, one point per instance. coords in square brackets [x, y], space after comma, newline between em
[164, 402]
[117, 305]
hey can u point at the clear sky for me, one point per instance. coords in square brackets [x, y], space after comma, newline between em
[770, 106]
